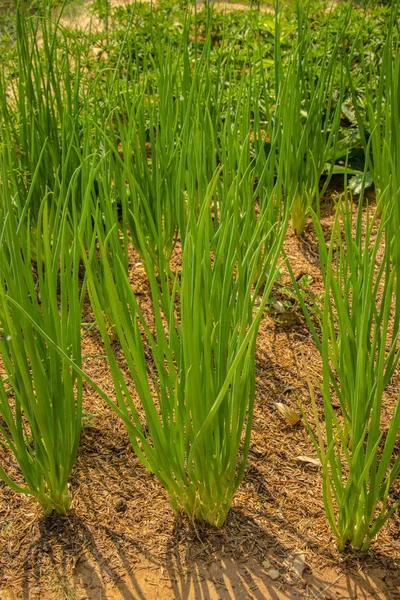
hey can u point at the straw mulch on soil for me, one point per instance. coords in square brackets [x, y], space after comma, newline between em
[121, 539]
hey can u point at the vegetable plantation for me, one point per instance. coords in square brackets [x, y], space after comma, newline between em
[200, 297]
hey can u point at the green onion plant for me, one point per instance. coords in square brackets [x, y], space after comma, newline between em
[360, 352]
[308, 101]
[189, 412]
[40, 395]
[172, 126]
[377, 109]
[41, 99]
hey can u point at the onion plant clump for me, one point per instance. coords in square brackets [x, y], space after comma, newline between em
[190, 417]
[377, 110]
[40, 395]
[148, 159]
[175, 124]
[307, 114]
[41, 99]
[360, 351]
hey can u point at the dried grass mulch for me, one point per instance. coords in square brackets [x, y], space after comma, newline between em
[121, 540]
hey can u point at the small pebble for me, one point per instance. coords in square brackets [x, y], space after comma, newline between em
[266, 564]
[273, 573]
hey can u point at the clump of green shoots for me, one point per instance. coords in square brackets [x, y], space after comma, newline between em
[41, 98]
[359, 348]
[190, 417]
[40, 395]
[308, 116]
[175, 123]
[377, 109]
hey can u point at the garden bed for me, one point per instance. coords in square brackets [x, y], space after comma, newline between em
[122, 540]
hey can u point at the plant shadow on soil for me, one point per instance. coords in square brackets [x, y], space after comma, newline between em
[199, 562]
[92, 567]
[186, 572]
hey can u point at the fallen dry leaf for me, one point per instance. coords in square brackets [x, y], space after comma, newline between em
[299, 564]
[279, 307]
[288, 413]
[308, 459]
